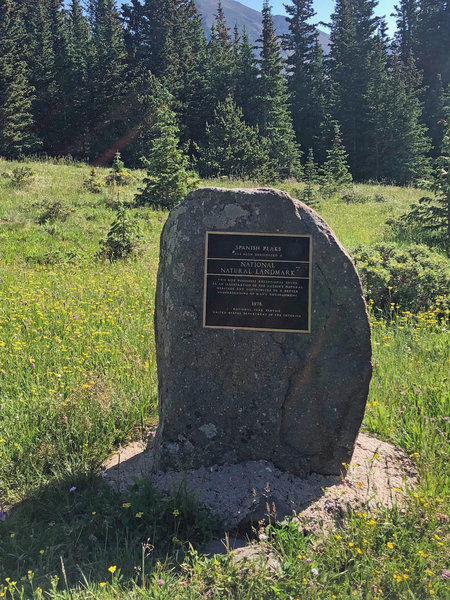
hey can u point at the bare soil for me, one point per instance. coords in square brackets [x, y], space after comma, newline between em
[378, 476]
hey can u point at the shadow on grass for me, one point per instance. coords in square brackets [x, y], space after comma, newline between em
[77, 530]
[90, 531]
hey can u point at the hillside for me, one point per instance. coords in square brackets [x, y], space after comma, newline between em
[243, 16]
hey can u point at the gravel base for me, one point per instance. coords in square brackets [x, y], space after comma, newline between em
[245, 493]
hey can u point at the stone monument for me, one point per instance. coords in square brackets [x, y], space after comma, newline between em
[262, 336]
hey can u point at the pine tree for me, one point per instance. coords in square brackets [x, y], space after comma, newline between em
[16, 93]
[310, 169]
[167, 180]
[303, 68]
[232, 148]
[405, 37]
[77, 81]
[335, 171]
[221, 60]
[433, 214]
[432, 57]
[166, 37]
[275, 121]
[352, 45]
[45, 52]
[107, 80]
[246, 80]
[124, 237]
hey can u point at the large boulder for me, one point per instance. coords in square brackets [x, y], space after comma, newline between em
[277, 372]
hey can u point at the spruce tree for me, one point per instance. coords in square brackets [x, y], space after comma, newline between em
[167, 180]
[303, 68]
[432, 214]
[441, 184]
[77, 81]
[46, 54]
[143, 97]
[406, 13]
[352, 44]
[232, 148]
[16, 93]
[107, 80]
[335, 171]
[310, 169]
[194, 104]
[124, 237]
[221, 60]
[275, 121]
[309, 195]
[246, 80]
[432, 51]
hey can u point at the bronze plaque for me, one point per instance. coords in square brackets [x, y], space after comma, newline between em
[257, 281]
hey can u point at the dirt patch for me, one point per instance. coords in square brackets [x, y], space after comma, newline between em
[378, 476]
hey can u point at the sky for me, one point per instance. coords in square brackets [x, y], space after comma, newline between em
[324, 8]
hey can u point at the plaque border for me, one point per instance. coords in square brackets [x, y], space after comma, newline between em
[304, 235]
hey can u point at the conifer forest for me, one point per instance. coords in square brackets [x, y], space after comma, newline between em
[88, 79]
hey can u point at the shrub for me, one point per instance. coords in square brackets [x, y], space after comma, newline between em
[93, 183]
[20, 176]
[52, 257]
[124, 238]
[53, 210]
[411, 277]
[354, 197]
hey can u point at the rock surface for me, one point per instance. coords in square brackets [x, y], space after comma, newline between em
[227, 396]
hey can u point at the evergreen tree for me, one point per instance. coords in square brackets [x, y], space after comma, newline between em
[124, 237]
[77, 81]
[167, 180]
[143, 97]
[246, 80]
[221, 60]
[107, 80]
[433, 214]
[405, 37]
[352, 45]
[335, 171]
[432, 53]
[310, 169]
[441, 184]
[232, 148]
[396, 140]
[303, 67]
[405, 160]
[309, 194]
[275, 121]
[16, 94]
[194, 102]
[45, 52]
[166, 37]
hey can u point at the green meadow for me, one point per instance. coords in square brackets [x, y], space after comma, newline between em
[78, 379]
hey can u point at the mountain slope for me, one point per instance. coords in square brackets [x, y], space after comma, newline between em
[243, 16]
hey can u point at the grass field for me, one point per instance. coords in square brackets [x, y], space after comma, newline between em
[78, 378]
